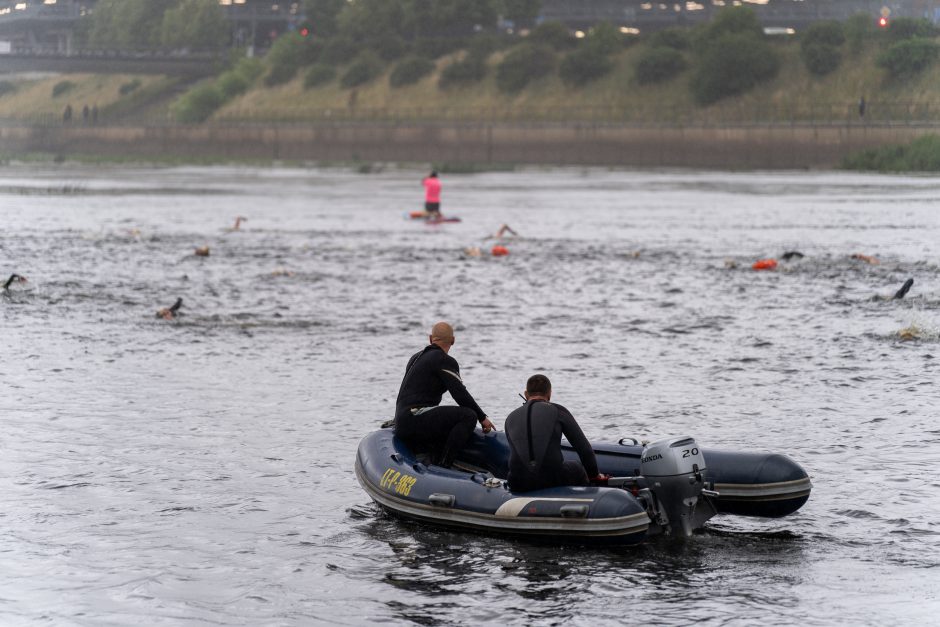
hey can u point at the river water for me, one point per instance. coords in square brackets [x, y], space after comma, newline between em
[200, 471]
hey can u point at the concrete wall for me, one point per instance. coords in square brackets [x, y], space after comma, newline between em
[747, 147]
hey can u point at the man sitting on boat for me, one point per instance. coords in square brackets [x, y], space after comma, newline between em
[419, 420]
[534, 432]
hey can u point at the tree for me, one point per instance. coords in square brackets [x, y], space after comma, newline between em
[128, 23]
[369, 20]
[732, 64]
[323, 16]
[435, 18]
[195, 24]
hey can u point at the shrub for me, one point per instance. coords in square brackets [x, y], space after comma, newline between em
[6, 87]
[858, 29]
[659, 64]
[922, 155]
[675, 37]
[62, 87]
[284, 59]
[470, 69]
[319, 74]
[410, 70]
[554, 35]
[583, 66]
[902, 28]
[231, 84]
[907, 58]
[828, 32]
[198, 104]
[732, 20]
[365, 68]
[249, 69]
[128, 87]
[732, 64]
[389, 47]
[310, 51]
[604, 38]
[523, 64]
[437, 47]
[820, 59]
[339, 50]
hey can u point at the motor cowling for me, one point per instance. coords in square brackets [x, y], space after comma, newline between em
[674, 470]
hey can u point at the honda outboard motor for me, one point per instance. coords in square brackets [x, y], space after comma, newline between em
[674, 470]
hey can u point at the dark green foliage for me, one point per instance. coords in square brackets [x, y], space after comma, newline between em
[907, 58]
[728, 21]
[319, 74]
[659, 64]
[604, 38]
[284, 59]
[231, 84]
[676, 38]
[436, 18]
[322, 16]
[410, 70]
[922, 155]
[522, 65]
[339, 50]
[732, 64]
[859, 31]
[553, 35]
[311, 50]
[902, 28]
[820, 59]
[198, 104]
[128, 24]
[828, 32]
[6, 87]
[195, 24]
[583, 66]
[365, 68]
[62, 87]
[367, 20]
[436, 47]
[128, 87]
[470, 69]
[389, 47]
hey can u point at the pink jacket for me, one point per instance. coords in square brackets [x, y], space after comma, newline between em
[432, 189]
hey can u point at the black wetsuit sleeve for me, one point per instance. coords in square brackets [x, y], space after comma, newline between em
[450, 376]
[577, 439]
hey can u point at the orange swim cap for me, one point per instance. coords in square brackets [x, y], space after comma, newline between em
[499, 251]
[765, 264]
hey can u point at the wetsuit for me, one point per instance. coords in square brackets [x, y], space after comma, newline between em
[432, 194]
[418, 418]
[535, 461]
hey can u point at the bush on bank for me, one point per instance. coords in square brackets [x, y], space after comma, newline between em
[522, 65]
[198, 104]
[732, 64]
[921, 155]
[659, 64]
[819, 47]
[410, 70]
[319, 74]
[470, 69]
[583, 66]
[907, 58]
[367, 67]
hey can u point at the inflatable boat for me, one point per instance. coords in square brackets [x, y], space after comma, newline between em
[667, 487]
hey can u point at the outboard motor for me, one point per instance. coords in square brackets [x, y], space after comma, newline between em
[674, 470]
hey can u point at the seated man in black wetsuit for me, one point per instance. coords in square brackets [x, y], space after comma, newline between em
[418, 418]
[534, 432]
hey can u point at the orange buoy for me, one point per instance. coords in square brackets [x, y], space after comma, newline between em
[499, 251]
[765, 264]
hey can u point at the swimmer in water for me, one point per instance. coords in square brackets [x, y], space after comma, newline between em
[202, 251]
[502, 233]
[901, 293]
[14, 278]
[866, 258]
[792, 254]
[238, 223]
[169, 313]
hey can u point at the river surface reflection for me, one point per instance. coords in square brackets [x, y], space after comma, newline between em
[200, 470]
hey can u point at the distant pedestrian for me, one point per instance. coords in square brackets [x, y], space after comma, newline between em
[85, 113]
[861, 107]
[67, 114]
[94, 114]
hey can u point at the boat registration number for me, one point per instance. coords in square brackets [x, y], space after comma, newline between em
[394, 481]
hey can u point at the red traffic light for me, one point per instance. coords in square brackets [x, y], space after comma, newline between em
[304, 31]
[883, 22]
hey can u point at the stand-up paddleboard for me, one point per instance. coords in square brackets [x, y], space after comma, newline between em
[431, 219]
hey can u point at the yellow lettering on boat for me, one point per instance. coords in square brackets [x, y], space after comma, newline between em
[394, 481]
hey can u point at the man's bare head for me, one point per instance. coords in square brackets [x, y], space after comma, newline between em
[442, 334]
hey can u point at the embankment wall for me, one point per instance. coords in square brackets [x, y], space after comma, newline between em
[725, 147]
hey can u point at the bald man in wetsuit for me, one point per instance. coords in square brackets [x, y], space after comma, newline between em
[534, 432]
[419, 418]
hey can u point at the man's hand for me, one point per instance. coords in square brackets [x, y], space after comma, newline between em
[487, 425]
